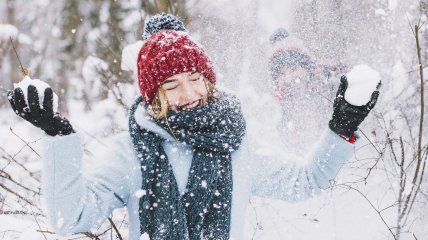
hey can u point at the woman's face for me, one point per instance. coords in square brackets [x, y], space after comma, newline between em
[291, 81]
[185, 90]
[293, 77]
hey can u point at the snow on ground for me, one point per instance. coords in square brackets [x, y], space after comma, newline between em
[17, 228]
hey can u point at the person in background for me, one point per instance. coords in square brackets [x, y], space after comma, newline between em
[303, 88]
[185, 169]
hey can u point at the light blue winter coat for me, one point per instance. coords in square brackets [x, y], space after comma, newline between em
[81, 200]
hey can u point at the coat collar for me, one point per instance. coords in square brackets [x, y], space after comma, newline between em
[144, 120]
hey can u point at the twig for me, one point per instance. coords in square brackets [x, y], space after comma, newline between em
[24, 142]
[406, 119]
[258, 225]
[123, 220]
[23, 147]
[418, 187]
[321, 95]
[116, 35]
[109, 48]
[374, 208]
[370, 169]
[24, 71]
[19, 164]
[421, 121]
[118, 57]
[410, 25]
[402, 178]
[44, 231]
[18, 212]
[119, 99]
[7, 176]
[370, 141]
[35, 219]
[17, 195]
[402, 184]
[391, 146]
[115, 228]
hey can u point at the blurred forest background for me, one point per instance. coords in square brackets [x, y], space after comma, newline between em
[84, 50]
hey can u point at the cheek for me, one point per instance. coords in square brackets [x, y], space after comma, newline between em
[284, 80]
[201, 89]
[172, 96]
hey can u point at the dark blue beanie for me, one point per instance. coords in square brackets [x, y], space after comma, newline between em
[291, 59]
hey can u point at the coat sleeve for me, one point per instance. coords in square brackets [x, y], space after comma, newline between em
[80, 200]
[287, 179]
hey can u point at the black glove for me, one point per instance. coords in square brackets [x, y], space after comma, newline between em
[347, 117]
[52, 123]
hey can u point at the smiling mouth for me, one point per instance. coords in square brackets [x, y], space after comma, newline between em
[190, 104]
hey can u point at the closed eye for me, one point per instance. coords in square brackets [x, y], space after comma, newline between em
[170, 84]
[171, 88]
[196, 79]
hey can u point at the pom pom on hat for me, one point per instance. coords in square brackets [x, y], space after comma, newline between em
[278, 35]
[164, 21]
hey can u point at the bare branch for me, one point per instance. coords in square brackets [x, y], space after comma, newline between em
[7, 176]
[11, 158]
[421, 121]
[24, 142]
[24, 71]
[19, 196]
[115, 228]
[35, 219]
[373, 207]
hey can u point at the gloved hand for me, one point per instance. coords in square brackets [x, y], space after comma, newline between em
[52, 123]
[347, 117]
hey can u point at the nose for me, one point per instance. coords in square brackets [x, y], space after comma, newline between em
[188, 92]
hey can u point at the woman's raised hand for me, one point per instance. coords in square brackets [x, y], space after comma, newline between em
[42, 116]
[347, 117]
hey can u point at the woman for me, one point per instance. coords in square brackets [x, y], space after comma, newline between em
[299, 82]
[185, 169]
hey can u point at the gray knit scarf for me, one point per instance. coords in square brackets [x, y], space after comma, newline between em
[213, 131]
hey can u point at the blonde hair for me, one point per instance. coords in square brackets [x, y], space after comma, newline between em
[158, 108]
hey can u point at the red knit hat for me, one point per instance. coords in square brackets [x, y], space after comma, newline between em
[165, 54]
